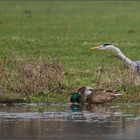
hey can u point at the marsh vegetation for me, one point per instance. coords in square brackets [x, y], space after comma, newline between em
[45, 48]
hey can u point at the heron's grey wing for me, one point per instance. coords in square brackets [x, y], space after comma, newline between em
[137, 62]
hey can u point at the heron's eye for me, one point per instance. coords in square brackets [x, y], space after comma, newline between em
[104, 45]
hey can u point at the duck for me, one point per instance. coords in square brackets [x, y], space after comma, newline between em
[90, 95]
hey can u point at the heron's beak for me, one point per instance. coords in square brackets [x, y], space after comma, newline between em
[94, 48]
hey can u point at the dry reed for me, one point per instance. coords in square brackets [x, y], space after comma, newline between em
[27, 77]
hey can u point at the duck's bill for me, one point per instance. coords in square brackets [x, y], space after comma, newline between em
[97, 47]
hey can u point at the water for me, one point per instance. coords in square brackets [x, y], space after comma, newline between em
[69, 122]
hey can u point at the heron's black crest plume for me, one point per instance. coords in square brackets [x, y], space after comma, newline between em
[106, 44]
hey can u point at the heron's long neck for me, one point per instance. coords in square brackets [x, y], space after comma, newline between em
[126, 60]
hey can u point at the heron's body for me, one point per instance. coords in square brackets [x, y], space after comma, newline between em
[133, 65]
[90, 95]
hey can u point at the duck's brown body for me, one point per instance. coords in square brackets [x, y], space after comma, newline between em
[90, 95]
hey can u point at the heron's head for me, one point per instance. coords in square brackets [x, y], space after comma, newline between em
[105, 46]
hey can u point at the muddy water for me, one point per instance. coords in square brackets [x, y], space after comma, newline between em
[69, 122]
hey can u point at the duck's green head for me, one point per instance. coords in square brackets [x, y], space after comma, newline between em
[74, 97]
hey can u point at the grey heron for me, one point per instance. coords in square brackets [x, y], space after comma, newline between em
[133, 65]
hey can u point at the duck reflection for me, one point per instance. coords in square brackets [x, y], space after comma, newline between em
[91, 108]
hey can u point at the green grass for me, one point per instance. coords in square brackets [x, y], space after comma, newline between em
[65, 31]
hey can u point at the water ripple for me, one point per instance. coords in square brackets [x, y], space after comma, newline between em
[58, 116]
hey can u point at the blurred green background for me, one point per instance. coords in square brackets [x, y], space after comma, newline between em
[64, 31]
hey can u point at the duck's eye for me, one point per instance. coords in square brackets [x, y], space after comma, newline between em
[90, 89]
